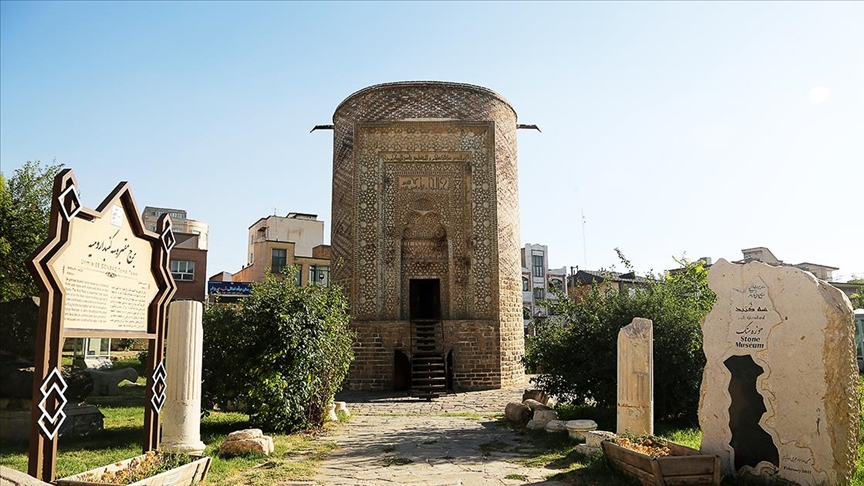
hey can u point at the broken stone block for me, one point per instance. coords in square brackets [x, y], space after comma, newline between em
[534, 405]
[555, 426]
[595, 437]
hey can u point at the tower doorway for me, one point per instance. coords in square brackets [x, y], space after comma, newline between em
[424, 296]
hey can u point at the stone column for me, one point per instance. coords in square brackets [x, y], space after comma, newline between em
[181, 415]
[636, 377]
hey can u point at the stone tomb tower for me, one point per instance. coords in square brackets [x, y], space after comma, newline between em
[425, 236]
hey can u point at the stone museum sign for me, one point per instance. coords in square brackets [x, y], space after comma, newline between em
[778, 394]
[101, 274]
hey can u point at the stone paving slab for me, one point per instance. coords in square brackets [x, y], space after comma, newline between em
[454, 440]
[430, 450]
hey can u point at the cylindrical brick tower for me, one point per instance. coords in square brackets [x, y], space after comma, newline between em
[425, 236]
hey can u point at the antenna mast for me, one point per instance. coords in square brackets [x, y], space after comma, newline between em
[584, 247]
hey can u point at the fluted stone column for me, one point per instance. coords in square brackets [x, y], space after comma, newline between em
[636, 377]
[181, 415]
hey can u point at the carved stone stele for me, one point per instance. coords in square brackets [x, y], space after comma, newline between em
[636, 378]
[779, 390]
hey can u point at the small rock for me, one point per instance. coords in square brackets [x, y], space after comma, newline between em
[260, 445]
[545, 415]
[595, 437]
[534, 405]
[555, 426]
[517, 412]
[245, 434]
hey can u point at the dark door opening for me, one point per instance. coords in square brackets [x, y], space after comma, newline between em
[424, 299]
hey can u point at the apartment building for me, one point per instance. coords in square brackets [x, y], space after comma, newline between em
[276, 243]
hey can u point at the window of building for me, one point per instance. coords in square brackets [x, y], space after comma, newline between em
[279, 260]
[319, 275]
[182, 270]
[537, 265]
[539, 293]
[524, 284]
[556, 283]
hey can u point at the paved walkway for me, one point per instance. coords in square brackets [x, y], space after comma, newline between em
[396, 440]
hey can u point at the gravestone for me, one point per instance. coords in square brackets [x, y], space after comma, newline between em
[779, 393]
[636, 378]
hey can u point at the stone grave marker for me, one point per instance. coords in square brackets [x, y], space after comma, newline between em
[636, 378]
[779, 393]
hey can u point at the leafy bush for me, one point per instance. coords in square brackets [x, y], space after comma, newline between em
[280, 355]
[577, 351]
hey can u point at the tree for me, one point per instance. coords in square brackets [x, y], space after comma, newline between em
[25, 207]
[280, 355]
[858, 297]
[578, 352]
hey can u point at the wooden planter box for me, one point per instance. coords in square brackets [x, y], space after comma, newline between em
[185, 475]
[684, 466]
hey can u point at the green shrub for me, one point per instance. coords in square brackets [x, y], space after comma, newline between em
[577, 351]
[280, 355]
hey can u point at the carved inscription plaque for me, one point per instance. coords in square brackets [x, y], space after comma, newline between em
[105, 272]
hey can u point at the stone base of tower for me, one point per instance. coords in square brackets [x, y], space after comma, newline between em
[478, 355]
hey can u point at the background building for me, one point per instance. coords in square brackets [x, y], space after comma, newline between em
[276, 243]
[189, 255]
[762, 254]
[538, 281]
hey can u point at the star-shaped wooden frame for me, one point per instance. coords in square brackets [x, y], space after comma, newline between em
[48, 269]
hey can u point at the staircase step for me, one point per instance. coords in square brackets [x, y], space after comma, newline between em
[428, 367]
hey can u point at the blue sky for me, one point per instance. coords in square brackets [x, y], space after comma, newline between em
[697, 128]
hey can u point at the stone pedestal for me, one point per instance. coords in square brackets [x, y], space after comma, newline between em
[181, 415]
[579, 428]
[636, 378]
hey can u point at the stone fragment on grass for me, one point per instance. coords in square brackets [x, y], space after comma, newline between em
[517, 412]
[534, 405]
[586, 449]
[343, 407]
[545, 416]
[534, 395]
[535, 424]
[246, 434]
[247, 441]
[595, 437]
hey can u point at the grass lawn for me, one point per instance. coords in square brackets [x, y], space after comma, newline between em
[294, 458]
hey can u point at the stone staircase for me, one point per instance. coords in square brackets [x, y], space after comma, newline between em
[428, 367]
